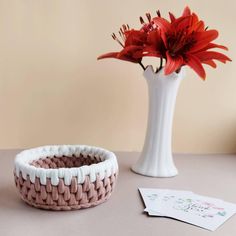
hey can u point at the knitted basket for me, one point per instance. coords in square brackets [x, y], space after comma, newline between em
[65, 177]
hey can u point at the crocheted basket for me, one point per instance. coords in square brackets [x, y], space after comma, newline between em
[65, 177]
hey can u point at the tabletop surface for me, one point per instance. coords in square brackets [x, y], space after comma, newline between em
[122, 214]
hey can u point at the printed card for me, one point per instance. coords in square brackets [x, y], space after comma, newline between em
[205, 212]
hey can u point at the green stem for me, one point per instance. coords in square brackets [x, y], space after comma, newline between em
[141, 64]
[161, 62]
[160, 67]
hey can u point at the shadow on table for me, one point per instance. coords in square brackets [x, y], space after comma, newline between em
[131, 158]
[10, 201]
[9, 198]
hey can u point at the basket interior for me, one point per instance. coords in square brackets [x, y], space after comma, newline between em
[65, 162]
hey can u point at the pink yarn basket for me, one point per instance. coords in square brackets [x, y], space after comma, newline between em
[65, 177]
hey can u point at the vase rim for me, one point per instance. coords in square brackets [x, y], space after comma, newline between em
[160, 74]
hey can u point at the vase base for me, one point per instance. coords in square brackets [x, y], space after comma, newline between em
[159, 174]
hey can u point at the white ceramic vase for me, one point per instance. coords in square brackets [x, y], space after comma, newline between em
[156, 157]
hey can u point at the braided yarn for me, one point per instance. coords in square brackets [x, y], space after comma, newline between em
[83, 178]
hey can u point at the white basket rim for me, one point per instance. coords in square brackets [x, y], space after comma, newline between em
[105, 168]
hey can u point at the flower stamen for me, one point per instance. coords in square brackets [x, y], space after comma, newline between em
[158, 13]
[117, 40]
[141, 20]
[148, 15]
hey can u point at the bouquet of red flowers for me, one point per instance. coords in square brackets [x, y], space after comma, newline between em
[179, 41]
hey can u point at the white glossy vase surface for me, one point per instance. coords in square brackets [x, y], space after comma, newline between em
[156, 158]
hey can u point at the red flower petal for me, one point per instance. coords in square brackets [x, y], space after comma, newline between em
[162, 23]
[208, 55]
[135, 37]
[194, 18]
[154, 38]
[154, 44]
[133, 53]
[208, 35]
[196, 65]
[187, 11]
[108, 55]
[213, 45]
[172, 17]
[203, 39]
[152, 50]
[210, 63]
[130, 53]
[164, 26]
[181, 23]
[152, 54]
[199, 26]
[172, 64]
[138, 55]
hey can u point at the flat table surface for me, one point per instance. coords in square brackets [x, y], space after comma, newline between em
[122, 214]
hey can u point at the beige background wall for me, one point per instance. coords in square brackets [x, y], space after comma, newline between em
[52, 89]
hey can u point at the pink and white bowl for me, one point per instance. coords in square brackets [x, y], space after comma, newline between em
[65, 177]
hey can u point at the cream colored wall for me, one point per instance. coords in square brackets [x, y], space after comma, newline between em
[53, 90]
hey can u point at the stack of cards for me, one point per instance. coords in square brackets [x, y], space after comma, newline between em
[205, 212]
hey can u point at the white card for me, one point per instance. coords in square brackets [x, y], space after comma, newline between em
[153, 198]
[205, 212]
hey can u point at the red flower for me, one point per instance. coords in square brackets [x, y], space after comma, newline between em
[154, 45]
[186, 42]
[180, 41]
[134, 41]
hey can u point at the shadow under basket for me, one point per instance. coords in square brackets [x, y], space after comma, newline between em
[65, 177]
